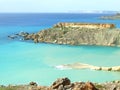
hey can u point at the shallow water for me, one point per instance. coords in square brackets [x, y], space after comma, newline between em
[24, 61]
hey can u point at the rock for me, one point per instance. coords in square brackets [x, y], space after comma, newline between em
[116, 68]
[84, 86]
[90, 86]
[33, 83]
[61, 87]
[106, 68]
[79, 86]
[61, 81]
[36, 40]
[12, 36]
[96, 68]
[110, 86]
[65, 84]
[19, 36]
[23, 34]
[42, 88]
[69, 87]
[84, 25]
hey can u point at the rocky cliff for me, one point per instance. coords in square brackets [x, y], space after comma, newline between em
[77, 36]
[85, 25]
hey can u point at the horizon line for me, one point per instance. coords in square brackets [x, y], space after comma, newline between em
[61, 12]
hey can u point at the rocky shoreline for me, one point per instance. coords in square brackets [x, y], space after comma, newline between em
[87, 66]
[66, 84]
[76, 34]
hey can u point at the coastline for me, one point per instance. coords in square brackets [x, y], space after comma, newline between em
[87, 66]
[112, 17]
[65, 84]
[76, 34]
[50, 36]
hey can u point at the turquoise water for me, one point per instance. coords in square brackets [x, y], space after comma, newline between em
[24, 61]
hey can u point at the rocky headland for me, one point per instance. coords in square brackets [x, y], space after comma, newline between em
[77, 34]
[112, 17]
[66, 84]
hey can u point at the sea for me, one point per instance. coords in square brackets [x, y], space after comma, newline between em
[24, 61]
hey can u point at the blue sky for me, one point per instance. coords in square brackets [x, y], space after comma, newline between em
[57, 5]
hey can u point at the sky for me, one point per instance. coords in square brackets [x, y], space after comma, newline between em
[58, 5]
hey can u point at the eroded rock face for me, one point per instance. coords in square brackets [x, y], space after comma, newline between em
[85, 25]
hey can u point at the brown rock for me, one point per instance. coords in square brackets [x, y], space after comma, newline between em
[90, 86]
[33, 83]
[58, 82]
[84, 86]
[79, 86]
[84, 25]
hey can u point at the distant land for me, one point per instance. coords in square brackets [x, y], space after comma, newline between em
[78, 11]
[111, 17]
[95, 11]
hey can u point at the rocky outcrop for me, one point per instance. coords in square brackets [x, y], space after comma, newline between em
[66, 84]
[12, 36]
[77, 36]
[87, 66]
[33, 84]
[21, 35]
[85, 25]
[62, 81]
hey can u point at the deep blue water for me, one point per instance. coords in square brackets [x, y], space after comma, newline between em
[48, 19]
[24, 61]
